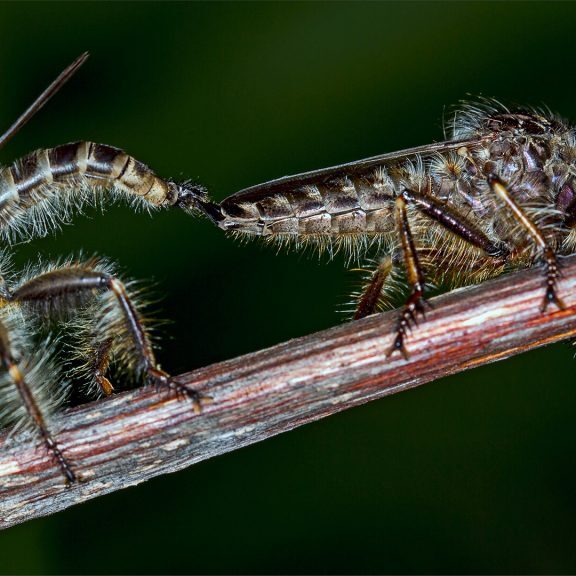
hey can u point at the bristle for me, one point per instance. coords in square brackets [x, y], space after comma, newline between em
[467, 118]
[353, 247]
[42, 191]
[569, 243]
[381, 286]
[60, 304]
[103, 319]
[36, 362]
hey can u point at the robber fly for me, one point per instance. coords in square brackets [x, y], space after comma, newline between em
[497, 195]
[101, 313]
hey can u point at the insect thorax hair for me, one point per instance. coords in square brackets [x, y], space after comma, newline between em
[51, 365]
[38, 365]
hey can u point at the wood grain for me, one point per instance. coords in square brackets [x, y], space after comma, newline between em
[128, 438]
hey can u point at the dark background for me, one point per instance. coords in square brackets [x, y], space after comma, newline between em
[474, 473]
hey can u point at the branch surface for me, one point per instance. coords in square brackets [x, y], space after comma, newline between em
[129, 438]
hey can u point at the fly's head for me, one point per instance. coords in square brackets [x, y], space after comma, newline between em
[564, 178]
[566, 202]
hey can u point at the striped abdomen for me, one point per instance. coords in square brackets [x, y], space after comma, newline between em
[38, 191]
[353, 204]
[98, 164]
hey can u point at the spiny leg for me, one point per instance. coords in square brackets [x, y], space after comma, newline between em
[122, 329]
[372, 293]
[552, 267]
[31, 405]
[142, 343]
[100, 363]
[448, 218]
[454, 222]
[415, 303]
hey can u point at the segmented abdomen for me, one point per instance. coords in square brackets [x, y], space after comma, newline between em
[353, 204]
[39, 189]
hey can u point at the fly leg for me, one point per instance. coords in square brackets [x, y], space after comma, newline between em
[550, 260]
[372, 294]
[448, 218]
[107, 320]
[10, 364]
[454, 222]
[415, 303]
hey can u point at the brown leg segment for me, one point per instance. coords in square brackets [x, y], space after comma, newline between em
[552, 268]
[446, 217]
[449, 219]
[155, 375]
[100, 366]
[70, 286]
[456, 223]
[415, 303]
[368, 301]
[11, 366]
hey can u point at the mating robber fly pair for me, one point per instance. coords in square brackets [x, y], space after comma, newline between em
[497, 195]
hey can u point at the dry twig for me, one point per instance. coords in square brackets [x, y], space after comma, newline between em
[134, 436]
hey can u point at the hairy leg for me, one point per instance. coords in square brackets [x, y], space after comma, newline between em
[27, 397]
[552, 268]
[111, 325]
[449, 219]
[415, 276]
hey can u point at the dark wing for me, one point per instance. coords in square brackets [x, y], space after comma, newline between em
[317, 176]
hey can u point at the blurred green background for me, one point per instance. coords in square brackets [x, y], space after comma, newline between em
[474, 473]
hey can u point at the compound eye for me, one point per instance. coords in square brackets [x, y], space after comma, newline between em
[565, 197]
